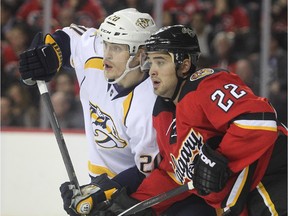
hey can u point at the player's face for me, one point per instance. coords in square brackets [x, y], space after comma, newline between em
[163, 74]
[115, 59]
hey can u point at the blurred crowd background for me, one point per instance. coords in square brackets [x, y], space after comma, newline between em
[229, 34]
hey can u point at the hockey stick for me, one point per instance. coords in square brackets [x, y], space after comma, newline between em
[38, 39]
[58, 133]
[157, 199]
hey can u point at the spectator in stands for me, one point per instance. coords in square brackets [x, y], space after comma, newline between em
[253, 8]
[7, 17]
[66, 116]
[229, 16]
[88, 13]
[111, 6]
[17, 40]
[277, 60]
[223, 53]
[6, 80]
[182, 10]
[143, 6]
[277, 64]
[25, 113]
[7, 116]
[203, 31]
[66, 16]
[31, 11]
[279, 20]
[245, 71]
[66, 82]
[278, 77]
[168, 18]
[278, 97]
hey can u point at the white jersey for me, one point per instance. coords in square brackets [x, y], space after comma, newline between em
[118, 126]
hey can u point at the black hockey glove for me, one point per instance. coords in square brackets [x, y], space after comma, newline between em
[92, 196]
[41, 61]
[211, 171]
[120, 202]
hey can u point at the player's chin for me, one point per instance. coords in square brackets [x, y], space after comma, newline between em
[157, 91]
[109, 74]
[162, 93]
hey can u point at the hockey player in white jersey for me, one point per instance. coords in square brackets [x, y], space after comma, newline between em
[116, 96]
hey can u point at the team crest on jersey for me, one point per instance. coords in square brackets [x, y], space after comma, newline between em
[183, 163]
[104, 129]
[201, 73]
[143, 22]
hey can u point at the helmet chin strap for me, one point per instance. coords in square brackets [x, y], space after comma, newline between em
[180, 79]
[126, 71]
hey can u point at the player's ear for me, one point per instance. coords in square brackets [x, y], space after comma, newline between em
[183, 71]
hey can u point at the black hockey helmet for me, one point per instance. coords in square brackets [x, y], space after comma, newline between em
[179, 40]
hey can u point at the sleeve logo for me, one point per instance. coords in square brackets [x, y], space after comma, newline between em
[201, 73]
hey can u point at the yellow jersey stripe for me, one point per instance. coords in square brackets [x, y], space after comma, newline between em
[94, 62]
[269, 125]
[50, 40]
[98, 170]
[237, 188]
[126, 106]
[267, 200]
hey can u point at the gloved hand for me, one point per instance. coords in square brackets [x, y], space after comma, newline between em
[211, 171]
[95, 195]
[41, 61]
[120, 202]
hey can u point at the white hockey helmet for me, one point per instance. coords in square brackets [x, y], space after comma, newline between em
[128, 26]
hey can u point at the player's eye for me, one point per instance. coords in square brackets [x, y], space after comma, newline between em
[160, 62]
[115, 47]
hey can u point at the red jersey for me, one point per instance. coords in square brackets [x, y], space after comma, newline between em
[212, 103]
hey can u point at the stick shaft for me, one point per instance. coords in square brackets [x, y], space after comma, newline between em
[157, 199]
[58, 133]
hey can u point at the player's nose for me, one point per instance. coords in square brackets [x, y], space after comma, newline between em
[152, 71]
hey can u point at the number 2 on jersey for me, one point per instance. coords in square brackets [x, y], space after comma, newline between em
[219, 95]
[145, 164]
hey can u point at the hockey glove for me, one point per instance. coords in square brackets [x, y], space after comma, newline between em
[120, 202]
[93, 195]
[41, 61]
[211, 171]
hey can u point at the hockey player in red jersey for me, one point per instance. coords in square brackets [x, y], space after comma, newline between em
[212, 130]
